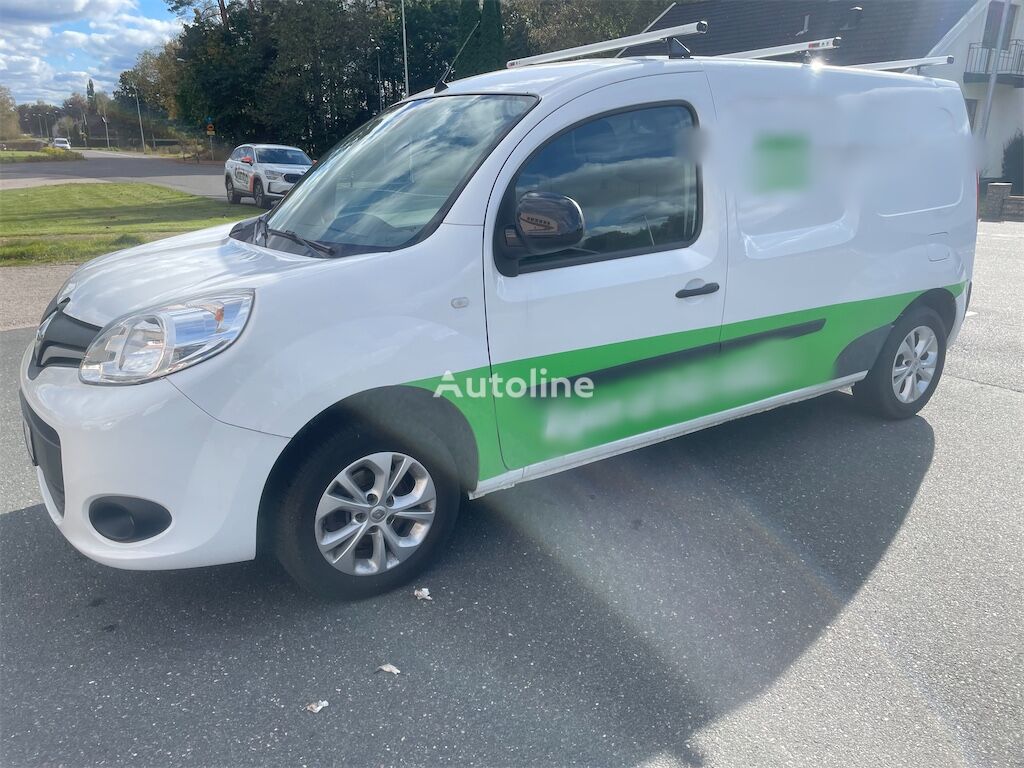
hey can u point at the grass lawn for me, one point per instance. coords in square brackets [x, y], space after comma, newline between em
[74, 222]
[44, 155]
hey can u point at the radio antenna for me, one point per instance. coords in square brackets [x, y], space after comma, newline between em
[441, 84]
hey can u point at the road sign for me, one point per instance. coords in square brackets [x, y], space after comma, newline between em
[209, 130]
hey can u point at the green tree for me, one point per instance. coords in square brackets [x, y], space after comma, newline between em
[491, 46]
[431, 43]
[9, 123]
[201, 8]
[65, 127]
[305, 72]
[468, 29]
[555, 24]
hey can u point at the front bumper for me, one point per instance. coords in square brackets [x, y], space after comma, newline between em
[150, 442]
[278, 188]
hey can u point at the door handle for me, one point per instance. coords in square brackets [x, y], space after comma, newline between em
[685, 293]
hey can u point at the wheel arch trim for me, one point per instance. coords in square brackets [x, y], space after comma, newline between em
[383, 409]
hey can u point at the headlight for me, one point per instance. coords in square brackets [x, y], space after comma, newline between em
[273, 175]
[155, 342]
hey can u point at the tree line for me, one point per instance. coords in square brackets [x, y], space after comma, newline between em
[307, 72]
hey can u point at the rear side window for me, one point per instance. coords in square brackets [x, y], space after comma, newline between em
[633, 174]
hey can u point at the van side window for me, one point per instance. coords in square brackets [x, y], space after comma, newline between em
[633, 174]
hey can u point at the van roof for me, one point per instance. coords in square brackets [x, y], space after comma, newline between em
[580, 75]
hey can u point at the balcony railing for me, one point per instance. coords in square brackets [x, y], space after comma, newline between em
[1008, 63]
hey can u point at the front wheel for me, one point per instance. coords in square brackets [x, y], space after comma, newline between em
[904, 377]
[257, 194]
[366, 513]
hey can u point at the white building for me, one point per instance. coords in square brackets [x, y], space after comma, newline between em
[884, 30]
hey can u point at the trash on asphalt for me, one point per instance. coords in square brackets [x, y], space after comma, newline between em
[422, 593]
[316, 706]
[388, 668]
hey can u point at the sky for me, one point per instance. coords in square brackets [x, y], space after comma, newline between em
[50, 48]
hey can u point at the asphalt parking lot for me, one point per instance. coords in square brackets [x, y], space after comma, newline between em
[806, 587]
[205, 179]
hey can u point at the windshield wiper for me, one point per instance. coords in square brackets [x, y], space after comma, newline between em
[313, 245]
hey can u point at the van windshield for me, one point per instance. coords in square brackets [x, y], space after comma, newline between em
[388, 181]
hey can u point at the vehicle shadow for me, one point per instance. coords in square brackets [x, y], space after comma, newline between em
[598, 617]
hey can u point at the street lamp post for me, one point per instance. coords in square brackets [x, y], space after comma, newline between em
[85, 122]
[380, 85]
[138, 111]
[405, 52]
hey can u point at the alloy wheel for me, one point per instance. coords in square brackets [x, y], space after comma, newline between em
[375, 513]
[914, 366]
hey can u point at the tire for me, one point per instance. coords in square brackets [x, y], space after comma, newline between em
[229, 187]
[877, 393]
[257, 194]
[299, 528]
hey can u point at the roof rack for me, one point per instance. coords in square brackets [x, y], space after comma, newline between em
[784, 50]
[697, 28]
[901, 64]
[677, 50]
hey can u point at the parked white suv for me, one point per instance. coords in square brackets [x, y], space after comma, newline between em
[524, 272]
[264, 172]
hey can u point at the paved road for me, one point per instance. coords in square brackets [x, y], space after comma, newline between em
[807, 587]
[197, 179]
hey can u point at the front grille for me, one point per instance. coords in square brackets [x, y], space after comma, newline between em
[63, 342]
[46, 452]
[291, 178]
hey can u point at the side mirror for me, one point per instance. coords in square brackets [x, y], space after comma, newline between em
[547, 223]
[247, 160]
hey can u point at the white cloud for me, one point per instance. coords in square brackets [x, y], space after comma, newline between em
[39, 58]
[59, 11]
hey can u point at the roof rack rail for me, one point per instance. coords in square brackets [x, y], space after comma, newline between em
[884, 66]
[697, 28]
[784, 50]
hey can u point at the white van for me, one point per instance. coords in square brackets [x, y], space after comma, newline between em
[515, 275]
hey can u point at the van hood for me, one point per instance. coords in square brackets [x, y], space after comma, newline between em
[165, 271]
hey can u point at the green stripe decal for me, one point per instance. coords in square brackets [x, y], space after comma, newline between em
[656, 384]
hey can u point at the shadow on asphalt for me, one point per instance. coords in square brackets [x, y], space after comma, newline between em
[599, 617]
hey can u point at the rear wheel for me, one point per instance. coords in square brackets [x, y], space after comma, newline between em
[904, 377]
[258, 195]
[229, 187]
[365, 514]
